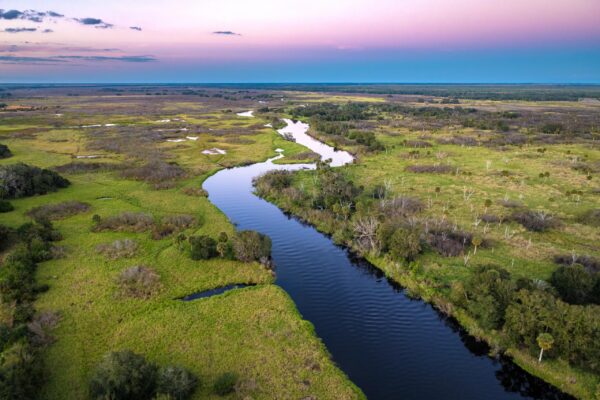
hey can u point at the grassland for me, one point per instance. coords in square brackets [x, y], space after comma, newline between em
[254, 332]
[483, 180]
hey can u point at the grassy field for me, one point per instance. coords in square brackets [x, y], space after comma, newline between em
[481, 180]
[255, 332]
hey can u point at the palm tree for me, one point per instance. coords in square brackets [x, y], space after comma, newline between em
[545, 341]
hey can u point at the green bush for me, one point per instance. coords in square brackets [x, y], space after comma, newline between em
[405, 244]
[573, 283]
[176, 382]
[5, 206]
[22, 180]
[202, 247]
[4, 151]
[225, 384]
[251, 246]
[124, 375]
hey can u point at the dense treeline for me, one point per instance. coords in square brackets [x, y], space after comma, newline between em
[22, 180]
[560, 318]
[24, 333]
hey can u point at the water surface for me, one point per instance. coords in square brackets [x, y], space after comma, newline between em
[392, 347]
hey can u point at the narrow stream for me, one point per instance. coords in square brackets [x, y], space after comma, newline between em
[392, 347]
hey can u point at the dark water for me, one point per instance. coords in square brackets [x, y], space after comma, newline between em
[213, 292]
[392, 347]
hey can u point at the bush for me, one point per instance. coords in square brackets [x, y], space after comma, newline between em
[225, 384]
[202, 247]
[430, 169]
[118, 249]
[590, 217]
[252, 246]
[449, 242]
[20, 374]
[5, 206]
[22, 180]
[125, 222]
[85, 167]
[59, 210]
[155, 172]
[573, 283]
[4, 151]
[139, 281]
[123, 375]
[176, 382]
[591, 264]
[405, 244]
[536, 221]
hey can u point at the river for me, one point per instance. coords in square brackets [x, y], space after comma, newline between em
[391, 346]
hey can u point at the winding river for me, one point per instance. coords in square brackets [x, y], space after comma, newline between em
[391, 346]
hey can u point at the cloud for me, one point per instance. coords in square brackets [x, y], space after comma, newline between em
[29, 15]
[226, 33]
[28, 60]
[96, 22]
[67, 59]
[19, 30]
[133, 59]
[135, 28]
[47, 31]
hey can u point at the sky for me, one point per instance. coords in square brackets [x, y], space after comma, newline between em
[207, 41]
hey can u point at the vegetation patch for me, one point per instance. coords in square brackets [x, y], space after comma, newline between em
[58, 210]
[22, 180]
[139, 281]
[125, 248]
[125, 222]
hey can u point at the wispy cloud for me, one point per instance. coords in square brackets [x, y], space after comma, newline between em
[19, 30]
[226, 33]
[135, 28]
[69, 58]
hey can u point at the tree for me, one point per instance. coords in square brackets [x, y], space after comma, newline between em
[405, 244]
[202, 247]
[545, 341]
[251, 246]
[123, 375]
[573, 283]
[176, 382]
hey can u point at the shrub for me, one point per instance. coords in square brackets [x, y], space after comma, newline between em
[20, 374]
[5, 206]
[449, 242]
[58, 210]
[430, 169]
[139, 281]
[405, 244]
[590, 263]
[195, 192]
[251, 246]
[225, 383]
[536, 221]
[123, 375]
[573, 283]
[118, 249]
[125, 222]
[85, 167]
[590, 217]
[155, 172]
[202, 247]
[490, 218]
[22, 180]
[176, 382]
[417, 144]
[4, 151]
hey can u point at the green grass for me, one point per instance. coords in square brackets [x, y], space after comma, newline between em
[255, 332]
[461, 201]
